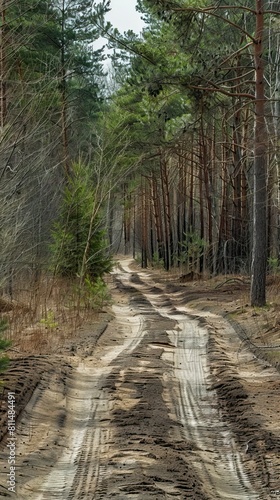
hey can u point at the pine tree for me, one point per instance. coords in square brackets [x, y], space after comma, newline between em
[77, 231]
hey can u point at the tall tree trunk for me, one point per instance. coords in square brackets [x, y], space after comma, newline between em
[168, 237]
[152, 240]
[191, 190]
[244, 191]
[204, 152]
[144, 223]
[126, 219]
[181, 203]
[157, 215]
[223, 226]
[236, 183]
[3, 76]
[201, 218]
[259, 255]
[63, 84]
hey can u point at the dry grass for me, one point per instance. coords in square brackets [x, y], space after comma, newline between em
[42, 317]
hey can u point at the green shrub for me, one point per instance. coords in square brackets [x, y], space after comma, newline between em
[273, 265]
[79, 246]
[93, 294]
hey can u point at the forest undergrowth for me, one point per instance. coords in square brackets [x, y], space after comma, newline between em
[41, 317]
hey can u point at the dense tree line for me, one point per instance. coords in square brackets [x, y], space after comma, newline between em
[176, 157]
[201, 100]
[51, 92]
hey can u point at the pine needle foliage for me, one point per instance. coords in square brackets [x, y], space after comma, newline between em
[79, 242]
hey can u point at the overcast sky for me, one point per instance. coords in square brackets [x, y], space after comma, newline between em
[124, 16]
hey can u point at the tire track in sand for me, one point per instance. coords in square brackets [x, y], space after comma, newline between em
[217, 459]
[139, 421]
[68, 467]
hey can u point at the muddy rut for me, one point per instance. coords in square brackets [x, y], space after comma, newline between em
[137, 418]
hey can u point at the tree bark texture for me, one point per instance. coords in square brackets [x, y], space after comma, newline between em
[259, 254]
[3, 76]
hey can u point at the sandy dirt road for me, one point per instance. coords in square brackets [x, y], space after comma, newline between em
[138, 418]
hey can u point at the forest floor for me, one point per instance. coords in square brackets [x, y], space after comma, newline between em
[171, 392]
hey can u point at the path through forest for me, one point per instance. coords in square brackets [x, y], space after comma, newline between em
[138, 418]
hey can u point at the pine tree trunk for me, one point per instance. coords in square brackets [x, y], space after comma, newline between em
[259, 255]
[181, 205]
[191, 188]
[3, 76]
[223, 229]
[205, 173]
[168, 236]
[201, 217]
[63, 86]
[157, 216]
[144, 254]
